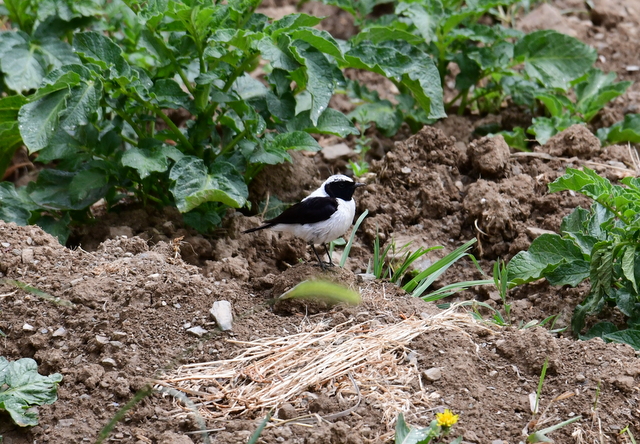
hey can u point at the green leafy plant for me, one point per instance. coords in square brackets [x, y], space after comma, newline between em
[395, 269]
[423, 280]
[439, 428]
[360, 167]
[600, 244]
[488, 57]
[22, 387]
[383, 266]
[593, 91]
[160, 106]
[537, 421]
[627, 130]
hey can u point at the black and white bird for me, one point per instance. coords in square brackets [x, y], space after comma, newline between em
[322, 216]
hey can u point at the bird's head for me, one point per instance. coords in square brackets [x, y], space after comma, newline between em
[340, 186]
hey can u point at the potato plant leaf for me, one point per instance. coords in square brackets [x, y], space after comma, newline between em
[553, 58]
[627, 130]
[195, 185]
[22, 387]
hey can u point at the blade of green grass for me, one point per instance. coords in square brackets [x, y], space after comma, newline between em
[421, 282]
[347, 248]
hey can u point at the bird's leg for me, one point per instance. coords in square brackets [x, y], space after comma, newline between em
[318, 257]
[328, 255]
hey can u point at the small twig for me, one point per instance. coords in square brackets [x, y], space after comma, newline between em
[547, 156]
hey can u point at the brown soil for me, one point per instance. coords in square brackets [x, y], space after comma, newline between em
[133, 294]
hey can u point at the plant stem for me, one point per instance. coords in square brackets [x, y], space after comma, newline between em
[129, 140]
[128, 119]
[233, 142]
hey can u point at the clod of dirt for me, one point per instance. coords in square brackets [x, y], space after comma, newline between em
[489, 155]
[609, 13]
[546, 16]
[576, 140]
[498, 210]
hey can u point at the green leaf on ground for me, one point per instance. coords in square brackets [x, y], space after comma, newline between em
[22, 387]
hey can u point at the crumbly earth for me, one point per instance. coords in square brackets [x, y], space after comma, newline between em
[134, 294]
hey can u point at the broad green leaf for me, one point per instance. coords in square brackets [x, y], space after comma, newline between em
[321, 40]
[387, 118]
[278, 53]
[599, 330]
[568, 273]
[406, 65]
[166, 93]
[587, 182]
[596, 91]
[545, 254]
[629, 336]
[24, 68]
[145, 161]
[21, 387]
[194, 185]
[553, 58]
[379, 34]
[330, 122]
[82, 102]
[12, 208]
[516, 138]
[97, 48]
[627, 130]
[268, 154]
[424, 18]
[553, 103]
[593, 303]
[89, 184]
[58, 228]
[9, 140]
[56, 52]
[320, 82]
[628, 265]
[296, 140]
[291, 22]
[601, 268]
[51, 191]
[322, 290]
[39, 120]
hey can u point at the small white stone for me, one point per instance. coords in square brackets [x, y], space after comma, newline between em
[197, 331]
[28, 327]
[5, 244]
[433, 374]
[221, 312]
[108, 362]
[103, 340]
[633, 68]
[59, 332]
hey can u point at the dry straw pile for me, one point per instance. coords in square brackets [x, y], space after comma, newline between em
[351, 362]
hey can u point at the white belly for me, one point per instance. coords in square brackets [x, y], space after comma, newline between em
[325, 231]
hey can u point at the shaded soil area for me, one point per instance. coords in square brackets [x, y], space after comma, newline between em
[131, 301]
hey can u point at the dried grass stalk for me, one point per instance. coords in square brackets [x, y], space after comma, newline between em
[272, 371]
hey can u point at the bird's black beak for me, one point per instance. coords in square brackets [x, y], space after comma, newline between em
[359, 184]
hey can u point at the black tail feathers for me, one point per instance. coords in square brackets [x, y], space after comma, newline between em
[261, 227]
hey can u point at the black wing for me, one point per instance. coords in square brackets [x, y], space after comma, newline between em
[314, 209]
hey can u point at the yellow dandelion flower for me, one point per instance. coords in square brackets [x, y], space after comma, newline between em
[446, 419]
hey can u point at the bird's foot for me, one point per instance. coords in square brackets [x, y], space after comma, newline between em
[325, 265]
